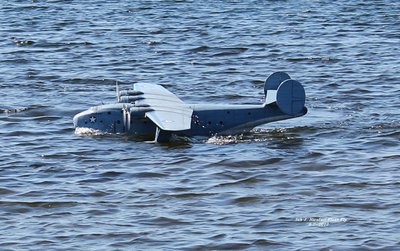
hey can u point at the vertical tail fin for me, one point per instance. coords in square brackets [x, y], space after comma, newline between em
[274, 80]
[288, 94]
[290, 97]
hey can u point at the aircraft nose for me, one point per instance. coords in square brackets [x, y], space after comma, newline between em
[77, 119]
[80, 118]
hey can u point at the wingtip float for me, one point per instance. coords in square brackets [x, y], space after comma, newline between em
[150, 110]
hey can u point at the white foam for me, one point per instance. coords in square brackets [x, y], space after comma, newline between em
[89, 131]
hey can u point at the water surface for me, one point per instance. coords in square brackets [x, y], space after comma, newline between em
[329, 180]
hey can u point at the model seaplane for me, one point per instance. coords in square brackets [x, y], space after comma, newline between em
[150, 110]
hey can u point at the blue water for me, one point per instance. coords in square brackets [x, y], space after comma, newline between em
[325, 181]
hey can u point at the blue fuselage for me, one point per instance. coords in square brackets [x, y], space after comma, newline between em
[207, 120]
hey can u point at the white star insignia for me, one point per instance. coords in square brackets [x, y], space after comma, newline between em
[92, 119]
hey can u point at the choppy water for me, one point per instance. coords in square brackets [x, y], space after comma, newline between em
[329, 180]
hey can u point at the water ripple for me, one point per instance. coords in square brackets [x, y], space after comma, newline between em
[82, 189]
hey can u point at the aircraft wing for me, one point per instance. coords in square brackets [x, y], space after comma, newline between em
[168, 112]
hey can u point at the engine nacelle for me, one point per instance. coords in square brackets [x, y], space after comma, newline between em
[129, 99]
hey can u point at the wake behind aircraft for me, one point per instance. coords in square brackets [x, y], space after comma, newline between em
[151, 111]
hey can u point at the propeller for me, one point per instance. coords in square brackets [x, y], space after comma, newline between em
[127, 117]
[117, 91]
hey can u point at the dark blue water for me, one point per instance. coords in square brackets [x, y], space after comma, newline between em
[328, 181]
